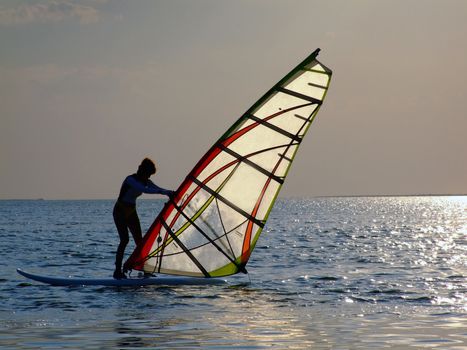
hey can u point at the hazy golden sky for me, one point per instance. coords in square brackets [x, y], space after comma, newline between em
[89, 88]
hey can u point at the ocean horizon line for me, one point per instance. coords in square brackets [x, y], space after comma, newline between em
[280, 197]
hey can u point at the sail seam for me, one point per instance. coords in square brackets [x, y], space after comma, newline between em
[223, 227]
[185, 249]
[285, 157]
[227, 202]
[232, 260]
[301, 117]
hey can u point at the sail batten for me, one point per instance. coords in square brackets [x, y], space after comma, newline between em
[185, 249]
[317, 86]
[299, 95]
[212, 224]
[275, 128]
[211, 241]
[252, 164]
[226, 201]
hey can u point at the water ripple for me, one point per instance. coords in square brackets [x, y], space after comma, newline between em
[327, 273]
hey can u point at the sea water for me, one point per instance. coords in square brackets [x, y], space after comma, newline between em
[327, 273]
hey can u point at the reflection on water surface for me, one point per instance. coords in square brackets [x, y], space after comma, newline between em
[328, 273]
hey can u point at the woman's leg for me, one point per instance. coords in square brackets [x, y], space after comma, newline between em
[135, 228]
[132, 222]
[121, 224]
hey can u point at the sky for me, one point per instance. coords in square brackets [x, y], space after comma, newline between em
[89, 88]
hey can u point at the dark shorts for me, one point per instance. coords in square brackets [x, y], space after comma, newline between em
[126, 217]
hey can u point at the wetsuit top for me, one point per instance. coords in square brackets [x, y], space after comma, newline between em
[132, 189]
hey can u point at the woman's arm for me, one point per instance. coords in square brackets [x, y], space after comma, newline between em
[157, 189]
[149, 188]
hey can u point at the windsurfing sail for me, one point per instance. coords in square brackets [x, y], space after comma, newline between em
[211, 226]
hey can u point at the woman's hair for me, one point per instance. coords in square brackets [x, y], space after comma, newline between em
[147, 166]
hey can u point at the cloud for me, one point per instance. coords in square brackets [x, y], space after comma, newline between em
[138, 80]
[49, 11]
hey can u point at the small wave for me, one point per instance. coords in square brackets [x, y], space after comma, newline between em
[421, 299]
[387, 291]
[360, 299]
[325, 278]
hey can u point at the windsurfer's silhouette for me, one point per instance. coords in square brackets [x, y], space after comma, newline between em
[124, 213]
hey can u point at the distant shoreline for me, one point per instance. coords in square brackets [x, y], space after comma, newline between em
[280, 197]
[391, 195]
